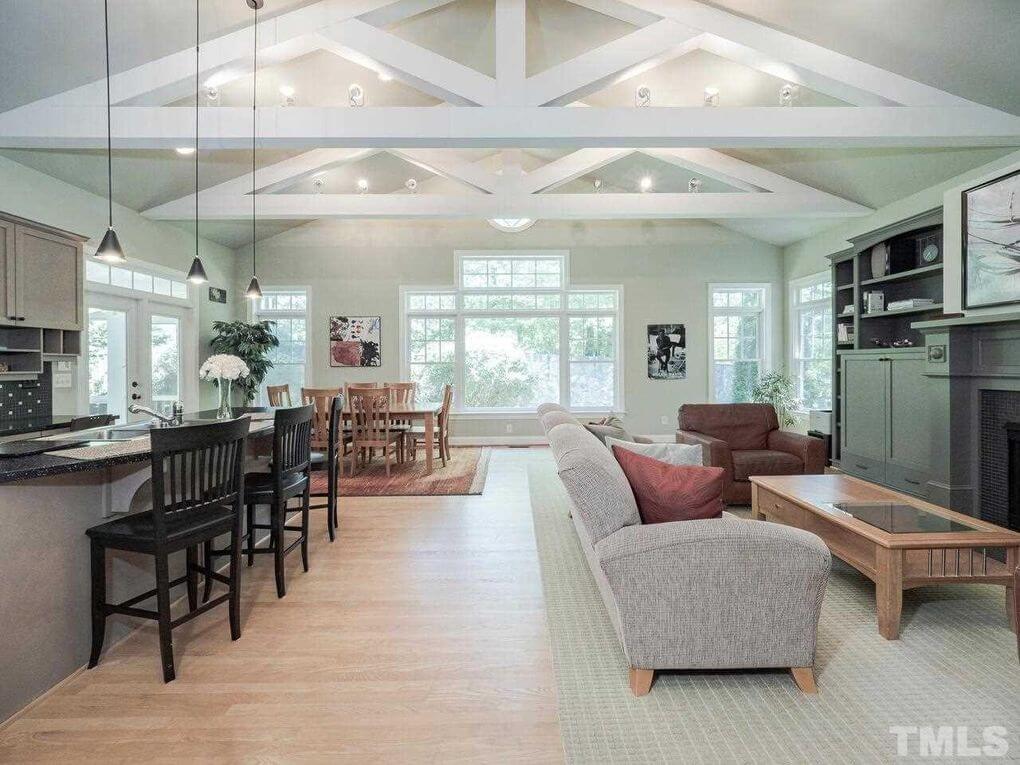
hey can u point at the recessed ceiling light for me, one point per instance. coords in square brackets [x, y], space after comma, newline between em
[694, 185]
[711, 96]
[362, 185]
[789, 94]
[355, 94]
[643, 96]
[185, 151]
[385, 77]
[596, 185]
[646, 183]
[411, 185]
[287, 91]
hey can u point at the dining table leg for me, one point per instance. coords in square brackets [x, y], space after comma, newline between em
[430, 428]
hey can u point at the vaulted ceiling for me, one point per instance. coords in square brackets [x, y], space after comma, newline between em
[776, 173]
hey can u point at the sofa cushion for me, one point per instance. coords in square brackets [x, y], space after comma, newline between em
[546, 408]
[667, 492]
[594, 480]
[764, 462]
[551, 419]
[742, 426]
[672, 454]
[601, 432]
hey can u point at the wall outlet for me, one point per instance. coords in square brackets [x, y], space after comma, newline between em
[664, 420]
[62, 380]
[509, 427]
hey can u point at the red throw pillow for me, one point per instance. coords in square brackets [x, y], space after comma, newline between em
[667, 492]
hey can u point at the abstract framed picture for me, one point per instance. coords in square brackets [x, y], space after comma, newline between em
[991, 243]
[667, 352]
[355, 341]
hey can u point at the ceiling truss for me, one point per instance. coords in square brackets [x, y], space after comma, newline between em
[511, 111]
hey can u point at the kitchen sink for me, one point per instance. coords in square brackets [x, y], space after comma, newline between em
[125, 432]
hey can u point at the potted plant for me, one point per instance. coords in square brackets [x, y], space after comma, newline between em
[776, 388]
[251, 343]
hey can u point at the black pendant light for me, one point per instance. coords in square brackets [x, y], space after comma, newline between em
[196, 274]
[254, 291]
[109, 250]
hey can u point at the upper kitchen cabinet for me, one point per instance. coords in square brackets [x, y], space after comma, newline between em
[42, 272]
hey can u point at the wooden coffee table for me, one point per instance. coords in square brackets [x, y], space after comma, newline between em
[895, 561]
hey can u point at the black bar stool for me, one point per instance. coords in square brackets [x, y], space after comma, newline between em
[328, 461]
[289, 478]
[197, 495]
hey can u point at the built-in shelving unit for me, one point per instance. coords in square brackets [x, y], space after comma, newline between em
[22, 349]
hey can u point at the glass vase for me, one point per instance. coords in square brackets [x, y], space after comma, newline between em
[224, 412]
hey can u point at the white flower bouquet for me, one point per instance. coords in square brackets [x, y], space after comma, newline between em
[224, 368]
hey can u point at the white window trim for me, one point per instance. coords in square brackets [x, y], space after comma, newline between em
[764, 327]
[793, 326]
[250, 314]
[459, 314]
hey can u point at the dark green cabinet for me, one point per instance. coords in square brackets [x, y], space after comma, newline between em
[886, 428]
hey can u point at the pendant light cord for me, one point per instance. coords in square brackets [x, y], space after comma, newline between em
[109, 124]
[254, 129]
[197, 70]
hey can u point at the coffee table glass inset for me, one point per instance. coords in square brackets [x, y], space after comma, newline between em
[899, 518]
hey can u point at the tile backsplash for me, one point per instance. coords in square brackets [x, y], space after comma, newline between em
[27, 398]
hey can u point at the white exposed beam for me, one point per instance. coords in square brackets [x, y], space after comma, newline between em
[613, 62]
[570, 167]
[419, 67]
[620, 10]
[510, 51]
[396, 12]
[499, 127]
[447, 166]
[544, 206]
[707, 162]
[781, 48]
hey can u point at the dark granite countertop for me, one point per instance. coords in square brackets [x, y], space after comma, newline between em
[21, 425]
[48, 464]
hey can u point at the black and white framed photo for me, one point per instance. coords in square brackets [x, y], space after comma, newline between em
[991, 243]
[667, 352]
[217, 295]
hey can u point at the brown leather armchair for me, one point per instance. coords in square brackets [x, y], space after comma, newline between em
[745, 440]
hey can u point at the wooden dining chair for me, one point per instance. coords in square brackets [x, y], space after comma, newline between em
[370, 424]
[321, 399]
[440, 435]
[402, 393]
[279, 395]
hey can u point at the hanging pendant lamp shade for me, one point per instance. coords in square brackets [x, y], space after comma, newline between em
[109, 250]
[254, 291]
[196, 274]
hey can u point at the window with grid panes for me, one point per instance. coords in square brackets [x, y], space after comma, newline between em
[737, 317]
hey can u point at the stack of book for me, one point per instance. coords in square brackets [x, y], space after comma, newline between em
[844, 334]
[902, 305]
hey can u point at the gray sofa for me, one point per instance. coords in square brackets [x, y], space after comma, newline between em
[724, 593]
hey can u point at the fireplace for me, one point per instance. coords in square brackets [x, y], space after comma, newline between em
[1013, 476]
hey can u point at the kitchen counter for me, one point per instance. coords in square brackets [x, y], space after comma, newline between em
[51, 464]
[22, 425]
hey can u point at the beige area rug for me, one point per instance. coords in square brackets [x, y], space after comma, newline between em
[464, 473]
[956, 664]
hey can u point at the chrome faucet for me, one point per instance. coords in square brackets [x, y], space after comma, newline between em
[177, 418]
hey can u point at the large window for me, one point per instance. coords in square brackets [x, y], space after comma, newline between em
[512, 335]
[811, 337]
[738, 315]
[288, 307]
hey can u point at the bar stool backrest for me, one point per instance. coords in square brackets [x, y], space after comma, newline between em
[92, 421]
[336, 418]
[196, 468]
[292, 442]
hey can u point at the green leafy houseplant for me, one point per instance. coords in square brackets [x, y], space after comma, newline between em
[252, 342]
[776, 388]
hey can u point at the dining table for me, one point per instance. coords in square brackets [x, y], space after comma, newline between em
[412, 411]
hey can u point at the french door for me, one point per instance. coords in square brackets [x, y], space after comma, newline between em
[139, 351]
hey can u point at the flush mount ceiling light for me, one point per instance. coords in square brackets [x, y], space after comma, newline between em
[596, 185]
[643, 96]
[411, 185]
[645, 183]
[196, 274]
[254, 291]
[185, 151]
[287, 91]
[355, 94]
[711, 96]
[109, 250]
[789, 94]
[512, 225]
[694, 185]
[362, 185]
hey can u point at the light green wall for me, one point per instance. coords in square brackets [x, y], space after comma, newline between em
[357, 267]
[808, 256]
[30, 194]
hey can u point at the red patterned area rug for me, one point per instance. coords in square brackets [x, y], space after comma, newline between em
[464, 473]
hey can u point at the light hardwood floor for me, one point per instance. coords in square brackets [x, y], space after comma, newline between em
[419, 636]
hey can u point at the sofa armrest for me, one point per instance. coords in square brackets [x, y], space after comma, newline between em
[810, 450]
[718, 593]
[643, 440]
[716, 451]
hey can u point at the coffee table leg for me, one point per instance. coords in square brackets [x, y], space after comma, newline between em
[889, 591]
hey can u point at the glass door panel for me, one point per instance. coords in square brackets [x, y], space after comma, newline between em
[108, 340]
[165, 362]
